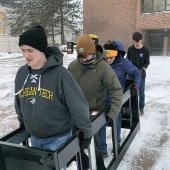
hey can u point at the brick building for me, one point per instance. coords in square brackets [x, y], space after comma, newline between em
[118, 19]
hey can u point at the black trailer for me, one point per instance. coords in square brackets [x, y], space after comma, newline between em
[16, 154]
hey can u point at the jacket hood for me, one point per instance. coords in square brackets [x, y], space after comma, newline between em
[99, 48]
[119, 47]
[115, 45]
[54, 57]
[100, 52]
[118, 59]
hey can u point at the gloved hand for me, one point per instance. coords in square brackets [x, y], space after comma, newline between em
[143, 72]
[85, 143]
[134, 90]
[109, 121]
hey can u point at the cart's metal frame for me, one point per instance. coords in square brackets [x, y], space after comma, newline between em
[16, 154]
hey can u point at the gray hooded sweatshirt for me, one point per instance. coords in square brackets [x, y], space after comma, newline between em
[49, 101]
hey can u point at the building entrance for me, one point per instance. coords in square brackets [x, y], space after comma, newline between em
[159, 42]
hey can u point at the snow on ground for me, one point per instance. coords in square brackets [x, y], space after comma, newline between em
[150, 149]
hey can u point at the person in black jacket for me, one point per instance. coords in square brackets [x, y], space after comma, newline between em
[139, 55]
[48, 101]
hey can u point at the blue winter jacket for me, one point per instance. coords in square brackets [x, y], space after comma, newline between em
[124, 69]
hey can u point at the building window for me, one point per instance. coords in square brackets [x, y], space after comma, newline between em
[150, 6]
[168, 5]
[169, 44]
[159, 42]
[156, 42]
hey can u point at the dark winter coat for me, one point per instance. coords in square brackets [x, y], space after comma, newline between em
[140, 58]
[50, 102]
[125, 69]
[94, 79]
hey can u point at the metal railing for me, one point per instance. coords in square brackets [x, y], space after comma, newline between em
[15, 152]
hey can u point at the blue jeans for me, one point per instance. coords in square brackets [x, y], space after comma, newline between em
[102, 134]
[102, 139]
[142, 93]
[51, 143]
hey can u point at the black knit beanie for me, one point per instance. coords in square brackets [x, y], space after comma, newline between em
[34, 37]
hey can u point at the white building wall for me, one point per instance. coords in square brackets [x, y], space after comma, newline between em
[9, 44]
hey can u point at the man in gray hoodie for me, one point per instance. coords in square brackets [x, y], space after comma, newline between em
[48, 101]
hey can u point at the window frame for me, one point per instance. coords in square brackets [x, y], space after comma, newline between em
[152, 6]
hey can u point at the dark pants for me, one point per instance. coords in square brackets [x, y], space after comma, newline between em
[99, 158]
[102, 134]
[142, 93]
[102, 139]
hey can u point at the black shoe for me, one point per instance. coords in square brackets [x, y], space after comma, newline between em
[104, 154]
[85, 161]
[125, 110]
[141, 111]
[100, 161]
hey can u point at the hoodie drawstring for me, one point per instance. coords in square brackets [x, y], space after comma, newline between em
[23, 85]
[39, 83]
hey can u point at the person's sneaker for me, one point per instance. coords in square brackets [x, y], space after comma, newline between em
[141, 111]
[104, 154]
[125, 110]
